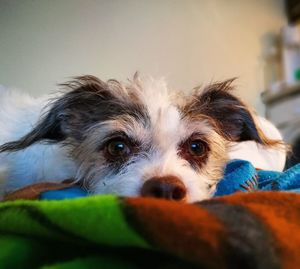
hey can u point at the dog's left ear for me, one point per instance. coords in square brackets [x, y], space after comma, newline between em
[231, 116]
[87, 101]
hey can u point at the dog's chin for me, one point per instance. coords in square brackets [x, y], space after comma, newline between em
[199, 197]
[193, 195]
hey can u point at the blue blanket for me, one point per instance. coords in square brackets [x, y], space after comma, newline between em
[242, 176]
[239, 175]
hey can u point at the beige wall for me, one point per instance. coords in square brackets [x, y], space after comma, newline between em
[43, 42]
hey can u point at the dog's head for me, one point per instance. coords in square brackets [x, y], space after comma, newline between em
[138, 139]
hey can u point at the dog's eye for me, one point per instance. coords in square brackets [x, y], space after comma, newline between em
[196, 147]
[194, 150]
[118, 148]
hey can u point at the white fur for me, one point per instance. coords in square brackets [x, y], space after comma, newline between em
[42, 162]
[162, 161]
[19, 113]
[167, 130]
[52, 163]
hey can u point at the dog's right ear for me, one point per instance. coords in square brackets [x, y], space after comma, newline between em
[233, 119]
[68, 115]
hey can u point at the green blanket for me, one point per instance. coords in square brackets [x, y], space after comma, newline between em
[250, 230]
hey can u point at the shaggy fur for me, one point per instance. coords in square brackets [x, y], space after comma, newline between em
[79, 131]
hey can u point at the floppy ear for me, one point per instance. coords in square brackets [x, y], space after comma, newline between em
[69, 115]
[232, 117]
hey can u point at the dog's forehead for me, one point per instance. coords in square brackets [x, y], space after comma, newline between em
[143, 109]
[167, 120]
[161, 106]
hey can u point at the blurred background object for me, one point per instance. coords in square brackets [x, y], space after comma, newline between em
[272, 61]
[282, 88]
[292, 10]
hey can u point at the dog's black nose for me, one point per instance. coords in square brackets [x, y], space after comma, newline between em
[167, 187]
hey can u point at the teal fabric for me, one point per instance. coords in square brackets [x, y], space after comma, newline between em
[239, 175]
[242, 176]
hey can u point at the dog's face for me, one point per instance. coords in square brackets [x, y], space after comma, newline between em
[138, 139]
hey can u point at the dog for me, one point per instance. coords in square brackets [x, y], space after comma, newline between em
[131, 139]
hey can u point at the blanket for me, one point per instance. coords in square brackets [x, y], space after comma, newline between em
[248, 229]
[245, 230]
[239, 176]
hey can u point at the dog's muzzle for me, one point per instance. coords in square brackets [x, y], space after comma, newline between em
[167, 187]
